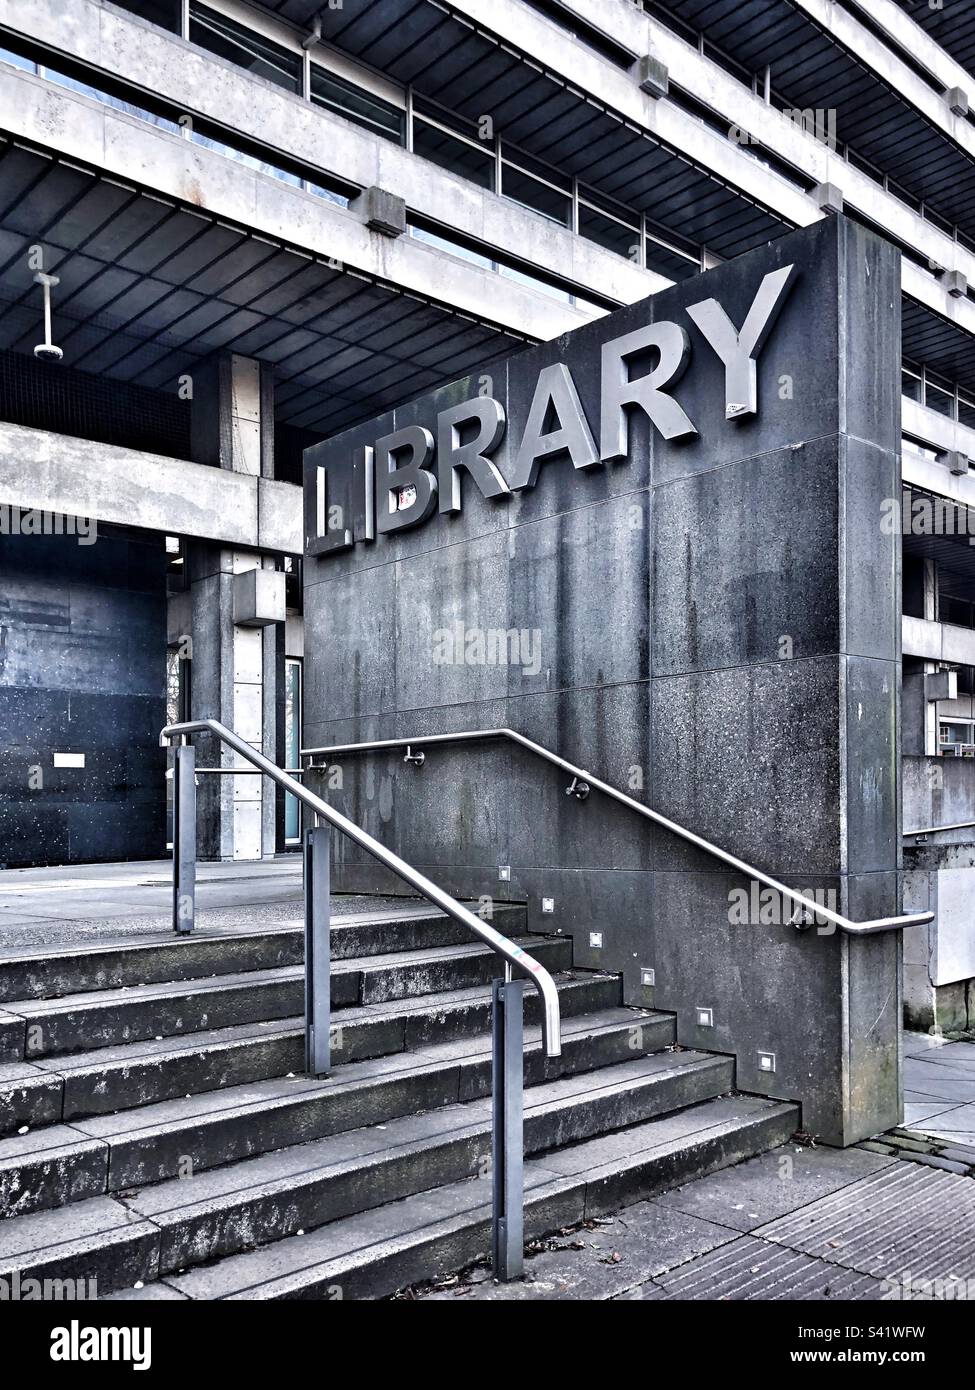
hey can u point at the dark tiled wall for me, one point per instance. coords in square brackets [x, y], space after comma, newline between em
[82, 670]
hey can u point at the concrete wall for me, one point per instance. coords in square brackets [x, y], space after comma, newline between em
[712, 623]
[83, 671]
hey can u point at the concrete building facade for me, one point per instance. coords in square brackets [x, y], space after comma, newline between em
[264, 226]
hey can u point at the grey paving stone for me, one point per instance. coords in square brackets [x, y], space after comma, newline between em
[939, 1080]
[956, 1126]
[757, 1191]
[601, 1262]
[916, 1114]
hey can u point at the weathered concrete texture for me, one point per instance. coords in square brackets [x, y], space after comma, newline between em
[711, 624]
[83, 671]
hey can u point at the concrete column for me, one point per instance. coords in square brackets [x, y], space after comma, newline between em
[236, 669]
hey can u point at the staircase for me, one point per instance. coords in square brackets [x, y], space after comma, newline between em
[157, 1133]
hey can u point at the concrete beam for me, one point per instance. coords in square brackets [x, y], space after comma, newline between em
[917, 41]
[202, 85]
[938, 641]
[131, 150]
[126, 487]
[549, 46]
[857, 39]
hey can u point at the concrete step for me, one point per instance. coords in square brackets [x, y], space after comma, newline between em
[103, 1018]
[306, 1186]
[271, 1198]
[108, 1079]
[54, 971]
[427, 1235]
[179, 1138]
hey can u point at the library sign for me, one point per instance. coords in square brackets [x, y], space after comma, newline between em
[400, 478]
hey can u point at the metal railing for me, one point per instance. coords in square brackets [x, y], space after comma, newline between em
[507, 998]
[927, 830]
[584, 782]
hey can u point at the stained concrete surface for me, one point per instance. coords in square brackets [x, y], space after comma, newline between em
[92, 904]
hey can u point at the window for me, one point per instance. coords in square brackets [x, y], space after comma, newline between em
[452, 152]
[245, 47]
[241, 157]
[356, 104]
[911, 383]
[957, 739]
[166, 13]
[669, 261]
[453, 247]
[939, 396]
[957, 611]
[15, 60]
[292, 742]
[539, 195]
[611, 226]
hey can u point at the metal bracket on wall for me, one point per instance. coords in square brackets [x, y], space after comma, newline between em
[578, 789]
[410, 757]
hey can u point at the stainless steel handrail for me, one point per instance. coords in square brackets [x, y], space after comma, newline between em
[515, 957]
[583, 781]
[933, 829]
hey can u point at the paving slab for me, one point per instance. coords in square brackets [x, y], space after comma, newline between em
[599, 1260]
[774, 1184]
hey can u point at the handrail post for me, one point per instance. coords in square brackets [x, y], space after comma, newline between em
[184, 839]
[507, 1133]
[318, 982]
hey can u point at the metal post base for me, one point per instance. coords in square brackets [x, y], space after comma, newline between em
[508, 1148]
[318, 982]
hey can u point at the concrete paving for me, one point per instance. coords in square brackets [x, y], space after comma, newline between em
[893, 1219]
[93, 903]
[939, 1088]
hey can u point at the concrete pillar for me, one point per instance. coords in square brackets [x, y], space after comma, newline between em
[236, 667]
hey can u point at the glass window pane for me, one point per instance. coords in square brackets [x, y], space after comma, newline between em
[937, 399]
[553, 291]
[292, 742]
[530, 193]
[166, 13]
[911, 385]
[72, 84]
[241, 157]
[538, 167]
[15, 60]
[244, 47]
[669, 263]
[453, 154]
[453, 247]
[609, 233]
[358, 105]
